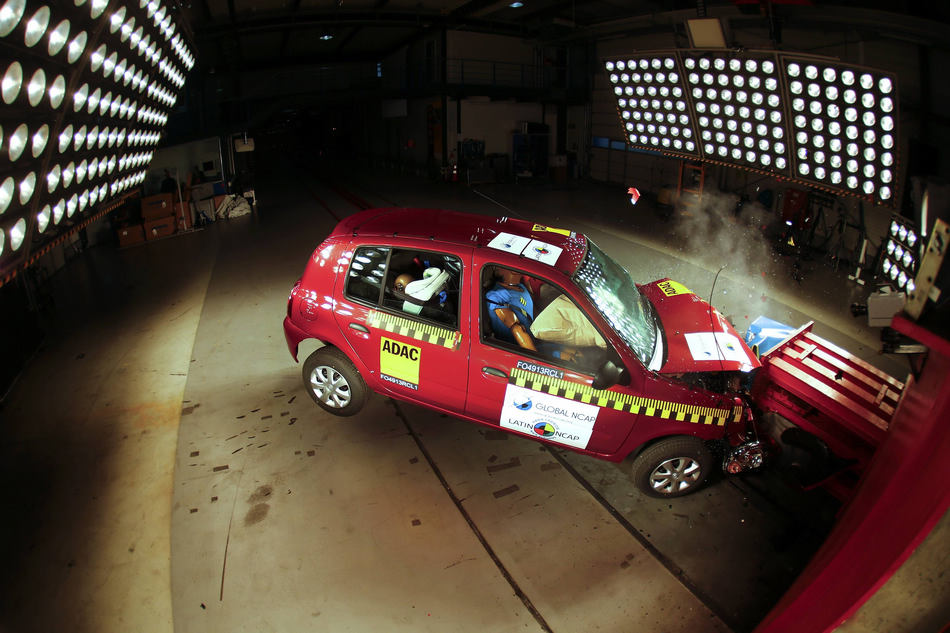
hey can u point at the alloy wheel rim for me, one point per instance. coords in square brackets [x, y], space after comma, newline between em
[330, 387]
[675, 475]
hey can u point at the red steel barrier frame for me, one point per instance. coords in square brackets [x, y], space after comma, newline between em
[890, 513]
[832, 394]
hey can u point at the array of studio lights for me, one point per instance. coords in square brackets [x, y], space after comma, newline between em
[821, 122]
[901, 254]
[86, 89]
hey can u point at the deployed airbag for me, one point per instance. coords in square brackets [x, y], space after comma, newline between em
[562, 322]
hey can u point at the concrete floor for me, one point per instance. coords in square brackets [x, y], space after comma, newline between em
[165, 470]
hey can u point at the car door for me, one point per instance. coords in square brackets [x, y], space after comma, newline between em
[546, 392]
[411, 350]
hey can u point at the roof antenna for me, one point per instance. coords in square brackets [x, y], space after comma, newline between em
[712, 326]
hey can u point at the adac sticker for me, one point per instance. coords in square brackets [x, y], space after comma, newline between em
[399, 363]
[672, 288]
[543, 415]
[550, 229]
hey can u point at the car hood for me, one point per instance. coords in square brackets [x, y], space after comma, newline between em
[697, 338]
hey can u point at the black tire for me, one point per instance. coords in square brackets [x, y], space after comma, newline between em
[333, 382]
[672, 467]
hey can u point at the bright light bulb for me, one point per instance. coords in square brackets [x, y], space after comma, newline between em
[12, 81]
[27, 187]
[57, 38]
[76, 47]
[36, 27]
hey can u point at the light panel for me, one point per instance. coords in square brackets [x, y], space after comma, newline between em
[844, 119]
[738, 110]
[87, 88]
[653, 104]
[817, 121]
[901, 254]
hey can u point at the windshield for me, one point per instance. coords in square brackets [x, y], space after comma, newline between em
[610, 288]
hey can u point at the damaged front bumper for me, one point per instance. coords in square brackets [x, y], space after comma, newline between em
[746, 456]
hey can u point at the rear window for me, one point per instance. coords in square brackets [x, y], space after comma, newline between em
[367, 270]
[419, 284]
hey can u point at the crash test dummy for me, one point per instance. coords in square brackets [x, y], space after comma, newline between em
[511, 309]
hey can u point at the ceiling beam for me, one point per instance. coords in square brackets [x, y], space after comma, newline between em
[286, 21]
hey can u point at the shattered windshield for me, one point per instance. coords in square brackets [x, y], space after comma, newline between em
[610, 288]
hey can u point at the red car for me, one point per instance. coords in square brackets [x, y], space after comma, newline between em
[530, 329]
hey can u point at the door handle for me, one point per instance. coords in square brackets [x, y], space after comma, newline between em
[359, 328]
[491, 371]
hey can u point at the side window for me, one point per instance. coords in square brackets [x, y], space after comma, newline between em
[538, 319]
[424, 284]
[365, 278]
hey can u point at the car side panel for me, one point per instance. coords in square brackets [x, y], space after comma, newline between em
[405, 357]
[312, 302]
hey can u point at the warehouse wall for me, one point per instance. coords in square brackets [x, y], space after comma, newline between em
[489, 47]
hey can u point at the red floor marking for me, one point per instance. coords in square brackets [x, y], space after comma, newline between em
[351, 197]
[324, 205]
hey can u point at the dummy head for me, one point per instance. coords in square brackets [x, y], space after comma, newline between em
[507, 276]
[402, 281]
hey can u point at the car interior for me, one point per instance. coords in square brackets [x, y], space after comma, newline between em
[583, 353]
[424, 284]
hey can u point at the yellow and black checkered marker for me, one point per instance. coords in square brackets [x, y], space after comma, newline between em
[672, 411]
[433, 334]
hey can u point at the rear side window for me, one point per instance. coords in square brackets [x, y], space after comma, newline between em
[421, 285]
[367, 270]
[424, 284]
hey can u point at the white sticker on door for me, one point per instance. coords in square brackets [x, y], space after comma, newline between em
[543, 415]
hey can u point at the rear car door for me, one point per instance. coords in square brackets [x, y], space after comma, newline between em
[409, 343]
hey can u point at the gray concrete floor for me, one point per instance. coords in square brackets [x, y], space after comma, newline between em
[166, 470]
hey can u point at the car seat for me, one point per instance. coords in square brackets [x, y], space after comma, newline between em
[434, 281]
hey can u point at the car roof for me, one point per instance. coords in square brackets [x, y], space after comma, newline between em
[469, 229]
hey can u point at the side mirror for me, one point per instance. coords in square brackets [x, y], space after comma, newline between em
[608, 375]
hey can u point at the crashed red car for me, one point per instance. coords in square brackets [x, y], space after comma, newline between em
[530, 329]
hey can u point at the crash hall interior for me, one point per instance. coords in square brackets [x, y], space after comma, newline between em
[558, 316]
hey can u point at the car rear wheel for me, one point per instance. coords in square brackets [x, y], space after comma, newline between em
[333, 382]
[672, 467]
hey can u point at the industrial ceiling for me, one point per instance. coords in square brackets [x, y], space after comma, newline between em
[250, 34]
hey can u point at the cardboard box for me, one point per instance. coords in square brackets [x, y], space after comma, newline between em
[154, 207]
[202, 191]
[129, 235]
[160, 227]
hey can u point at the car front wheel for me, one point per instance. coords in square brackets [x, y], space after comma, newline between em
[333, 382]
[672, 467]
